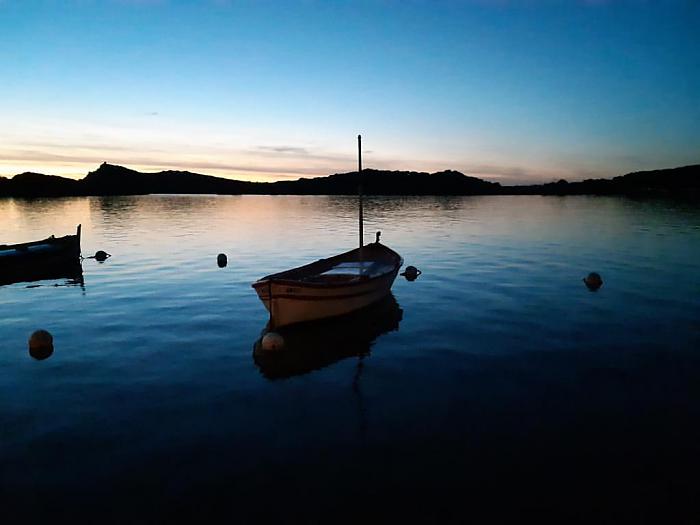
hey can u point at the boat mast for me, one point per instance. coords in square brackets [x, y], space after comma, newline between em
[359, 187]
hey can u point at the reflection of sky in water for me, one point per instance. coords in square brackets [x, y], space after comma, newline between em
[498, 340]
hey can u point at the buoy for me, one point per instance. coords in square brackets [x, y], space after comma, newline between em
[221, 260]
[593, 281]
[272, 341]
[40, 344]
[411, 273]
[101, 256]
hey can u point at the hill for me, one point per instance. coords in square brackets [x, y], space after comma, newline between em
[674, 181]
[30, 184]
[111, 179]
[380, 182]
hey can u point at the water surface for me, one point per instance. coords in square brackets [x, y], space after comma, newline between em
[495, 385]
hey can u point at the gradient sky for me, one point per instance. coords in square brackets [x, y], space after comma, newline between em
[511, 91]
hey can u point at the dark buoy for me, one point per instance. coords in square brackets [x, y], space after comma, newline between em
[40, 344]
[101, 256]
[593, 281]
[221, 260]
[411, 273]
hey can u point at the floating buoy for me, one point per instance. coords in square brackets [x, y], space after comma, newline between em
[221, 260]
[272, 341]
[411, 273]
[40, 344]
[593, 281]
[101, 256]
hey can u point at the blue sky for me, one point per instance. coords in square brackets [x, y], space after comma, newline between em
[505, 90]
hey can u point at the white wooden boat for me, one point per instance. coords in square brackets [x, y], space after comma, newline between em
[330, 287]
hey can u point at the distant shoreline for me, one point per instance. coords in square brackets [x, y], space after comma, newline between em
[111, 179]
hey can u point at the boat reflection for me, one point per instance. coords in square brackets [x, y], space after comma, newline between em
[71, 271]
[318, 344]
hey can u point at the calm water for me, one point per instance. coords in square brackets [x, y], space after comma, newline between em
[496, 385]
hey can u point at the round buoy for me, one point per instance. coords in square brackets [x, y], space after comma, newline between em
[272, 341]
[411, 273]
[101, 256]
[221, 260]
[40, 344]
[593, 281]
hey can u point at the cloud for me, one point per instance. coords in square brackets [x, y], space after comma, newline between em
[64, 146]
[277, 160]
[271, 161]
[528, 175]
[295, 150]
[289, 152]
[239, 168]
[123, 157]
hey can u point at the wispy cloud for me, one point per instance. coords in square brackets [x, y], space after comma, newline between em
[294, 150]
[128, 158]
[264, 161]
[529, 175]
[300, 153]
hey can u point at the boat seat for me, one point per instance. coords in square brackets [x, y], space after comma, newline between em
[359, 269]
[325, 278]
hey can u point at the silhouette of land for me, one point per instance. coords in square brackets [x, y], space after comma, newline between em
[110, 179]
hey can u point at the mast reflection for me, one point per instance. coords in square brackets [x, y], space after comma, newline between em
[312, 346]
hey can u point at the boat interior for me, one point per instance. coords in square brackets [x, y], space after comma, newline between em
[375, 260]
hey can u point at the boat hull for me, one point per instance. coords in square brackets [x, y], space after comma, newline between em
[297, 304]
[322, 289]
[29, 261]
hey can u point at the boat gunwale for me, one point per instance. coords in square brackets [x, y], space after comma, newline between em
[334, 297]
[397, 262]
[68, 239]
[65, 240]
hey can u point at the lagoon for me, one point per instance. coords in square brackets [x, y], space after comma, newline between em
[495, 385]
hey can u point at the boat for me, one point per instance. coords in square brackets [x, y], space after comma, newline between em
[54, 257]
[308, 348]
[332, 286]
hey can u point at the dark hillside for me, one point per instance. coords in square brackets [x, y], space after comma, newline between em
[38, 185]
[382, 182]
[110, 179]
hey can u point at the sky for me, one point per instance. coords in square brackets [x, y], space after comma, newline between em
[509, 91]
